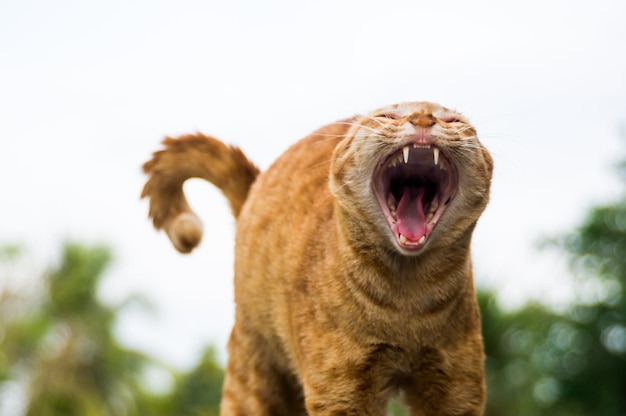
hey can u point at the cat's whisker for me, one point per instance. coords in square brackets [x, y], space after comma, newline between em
[318, 165]
[374, 131]
[376, 120]
[360, 126]
[328, 138]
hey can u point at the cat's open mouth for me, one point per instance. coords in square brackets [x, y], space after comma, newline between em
[414, 186]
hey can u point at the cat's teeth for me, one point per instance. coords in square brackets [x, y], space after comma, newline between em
[434, 205]
[436, 155]
[404, 240]
[391, 203]
[405, 153]
[432, 209]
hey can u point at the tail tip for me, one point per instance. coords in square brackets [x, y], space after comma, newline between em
[185, 232]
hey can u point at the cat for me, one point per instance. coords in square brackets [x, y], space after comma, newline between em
[353, 277]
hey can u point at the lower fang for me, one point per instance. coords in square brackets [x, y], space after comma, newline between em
[403, 239]
[391, 204]
[434, 205]
[422, 240]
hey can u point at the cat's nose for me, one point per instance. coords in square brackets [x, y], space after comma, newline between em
[423, 121]
[416, 132]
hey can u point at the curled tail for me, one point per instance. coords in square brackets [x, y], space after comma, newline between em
[193, 156]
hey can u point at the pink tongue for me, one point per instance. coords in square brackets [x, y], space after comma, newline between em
[410, 214]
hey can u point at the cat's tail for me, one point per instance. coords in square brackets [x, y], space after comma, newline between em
[193, 156]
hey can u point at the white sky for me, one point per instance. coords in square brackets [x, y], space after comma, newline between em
[89, 89]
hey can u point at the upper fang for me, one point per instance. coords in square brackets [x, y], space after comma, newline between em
[405, 153]
[436, 155]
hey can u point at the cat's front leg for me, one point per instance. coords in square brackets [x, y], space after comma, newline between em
[449, 382]
[254, 384]
[344, 395]
[341, 377]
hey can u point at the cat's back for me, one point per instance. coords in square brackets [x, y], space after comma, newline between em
[288, 211]
[294, 190]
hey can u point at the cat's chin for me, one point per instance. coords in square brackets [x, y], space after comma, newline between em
[414, 185]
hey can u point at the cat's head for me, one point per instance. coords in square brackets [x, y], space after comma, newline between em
[413, 174]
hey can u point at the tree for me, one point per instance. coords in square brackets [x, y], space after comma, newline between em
[598, 258]
[59, 343]
[198, 393]
[574, 363]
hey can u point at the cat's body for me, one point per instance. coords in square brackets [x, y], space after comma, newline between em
[352, 269]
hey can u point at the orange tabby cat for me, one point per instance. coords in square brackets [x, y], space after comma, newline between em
[353, 277]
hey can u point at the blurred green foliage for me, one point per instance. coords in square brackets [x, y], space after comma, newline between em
[57, 345]
[572, 363]
[198, 393]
